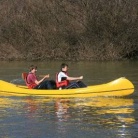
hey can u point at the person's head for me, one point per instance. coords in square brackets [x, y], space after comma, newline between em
[33, 68]
[64, 67]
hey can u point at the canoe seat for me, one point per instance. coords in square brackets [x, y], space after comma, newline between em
[60, 84]
[24, 77]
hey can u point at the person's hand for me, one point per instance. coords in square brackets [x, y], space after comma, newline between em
[81, 77]
[46, 76]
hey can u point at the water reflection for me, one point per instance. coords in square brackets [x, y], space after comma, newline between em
[31, 106]
[61, 106]
[110, 113]
[85, 115]
[119, 108]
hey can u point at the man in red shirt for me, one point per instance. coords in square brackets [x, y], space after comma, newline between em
[34, 83]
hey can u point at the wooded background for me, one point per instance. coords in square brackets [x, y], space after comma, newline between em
[68, 29]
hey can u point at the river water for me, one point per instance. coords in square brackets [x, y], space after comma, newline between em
[93, 117]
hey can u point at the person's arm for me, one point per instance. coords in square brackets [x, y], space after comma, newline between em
[61, 75]
[38, 82]
[74, 78]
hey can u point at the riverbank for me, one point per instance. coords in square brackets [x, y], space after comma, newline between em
[11, 54]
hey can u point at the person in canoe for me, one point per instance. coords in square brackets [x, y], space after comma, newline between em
[63, 81]
[33, 82]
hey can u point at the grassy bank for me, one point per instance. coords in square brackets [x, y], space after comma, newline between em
[68, 29]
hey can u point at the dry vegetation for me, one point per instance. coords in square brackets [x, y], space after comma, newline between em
[68, 29]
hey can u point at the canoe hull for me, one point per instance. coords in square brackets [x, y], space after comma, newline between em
[118, 87]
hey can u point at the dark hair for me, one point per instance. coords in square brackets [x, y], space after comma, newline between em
[33, 67]
[63, 65]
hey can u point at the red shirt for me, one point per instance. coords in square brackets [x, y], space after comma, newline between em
[31, 78]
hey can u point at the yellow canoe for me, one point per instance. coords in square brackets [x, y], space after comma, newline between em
[118, 87]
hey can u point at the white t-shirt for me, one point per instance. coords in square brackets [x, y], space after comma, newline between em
[61, 75]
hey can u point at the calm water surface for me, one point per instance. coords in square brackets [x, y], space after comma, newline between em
[42, 117]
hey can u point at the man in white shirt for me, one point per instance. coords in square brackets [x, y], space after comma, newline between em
[65, 80]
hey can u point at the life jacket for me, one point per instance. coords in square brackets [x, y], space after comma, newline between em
[62, 83]
[29, 85]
